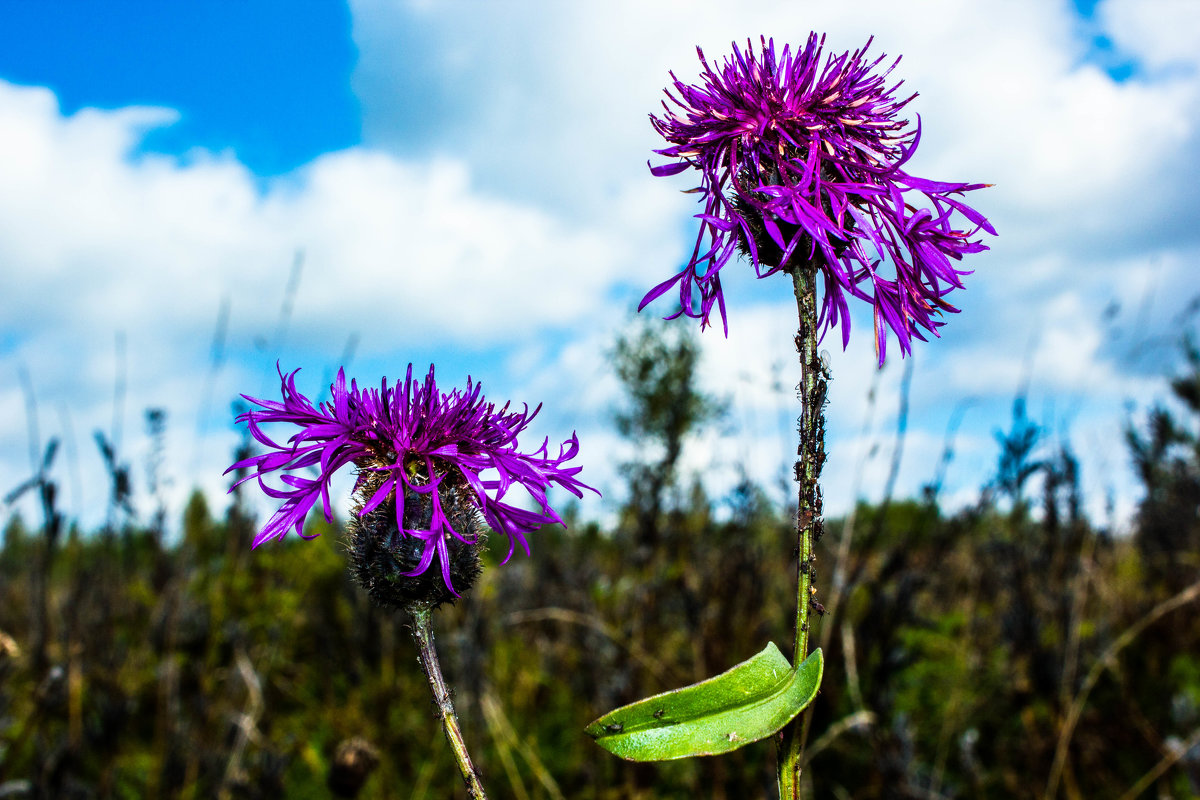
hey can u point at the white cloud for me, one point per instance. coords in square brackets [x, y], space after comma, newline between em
[502, 222]
[97, 239]
[1160, 33]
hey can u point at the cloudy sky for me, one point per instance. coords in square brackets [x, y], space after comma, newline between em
[190, 192]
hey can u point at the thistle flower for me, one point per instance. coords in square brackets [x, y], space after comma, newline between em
[421, 456]
[801, 167]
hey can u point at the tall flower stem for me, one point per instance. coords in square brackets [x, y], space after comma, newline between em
[422, 631]
[810, 459]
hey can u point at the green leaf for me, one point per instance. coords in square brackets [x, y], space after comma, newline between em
[752, 701]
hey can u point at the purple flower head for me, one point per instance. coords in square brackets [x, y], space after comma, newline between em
[801, 167]
[412, 444]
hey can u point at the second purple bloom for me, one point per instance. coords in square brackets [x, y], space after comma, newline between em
[434, 461]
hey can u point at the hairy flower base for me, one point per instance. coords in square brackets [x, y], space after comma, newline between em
[385, 562]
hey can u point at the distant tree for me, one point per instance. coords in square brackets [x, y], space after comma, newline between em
[1166, 454]
[200, 533]
[156, 480]
[658, 370]
[16, 546]
[1016, 464]
[121, 495]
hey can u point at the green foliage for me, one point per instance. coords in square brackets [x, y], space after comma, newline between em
[746, 703]
[18, 547]
[206, 669]
[1166, 454]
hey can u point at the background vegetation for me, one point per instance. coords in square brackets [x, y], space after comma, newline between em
[1012, 649]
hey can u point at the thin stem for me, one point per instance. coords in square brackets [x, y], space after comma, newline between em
[1106, 661]
[811, 457]
[1161, 767]
[422, 631]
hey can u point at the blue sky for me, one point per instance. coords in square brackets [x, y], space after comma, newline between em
[466, 184]
[268, 80]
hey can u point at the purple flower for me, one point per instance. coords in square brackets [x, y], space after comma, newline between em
[800, 165]
[414, 443]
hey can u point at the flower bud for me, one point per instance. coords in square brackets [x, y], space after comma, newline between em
[386, 562]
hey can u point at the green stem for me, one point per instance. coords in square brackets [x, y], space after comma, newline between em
[422, 631]
[810, 459]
